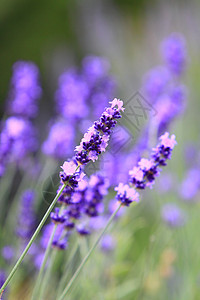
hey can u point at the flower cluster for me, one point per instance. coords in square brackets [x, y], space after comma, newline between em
[172, 215]
[80, 203]
[25, 90]
[82, 93]
[26, 218]
[143, 175]
[18, 136]
[161, 85]
[96, 139]
[17, 140]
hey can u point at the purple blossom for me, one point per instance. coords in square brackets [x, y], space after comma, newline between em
[172, 215]
[82, 229]
[95, 68]
[72, 95]
[60, 141]
[25, 90]
[155, 83]
[143, 175]
[60, 237]
[96, 139]
[60, 240]
[163, 151]
[17, 140]
[108, 243]
[190, 185]
[126, 194]
[174, 53]
[57, 217]
[70, 174]
[26, 218]
[7, 253]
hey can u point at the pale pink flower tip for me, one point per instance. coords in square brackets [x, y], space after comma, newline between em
[131, 193]
[118, 103]
[168, 142]
[137, 173]
[146, 164]
[69, 167]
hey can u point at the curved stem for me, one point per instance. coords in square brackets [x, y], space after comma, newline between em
[64, 293]
[32, 239]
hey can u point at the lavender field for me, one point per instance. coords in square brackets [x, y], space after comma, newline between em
[99, 150]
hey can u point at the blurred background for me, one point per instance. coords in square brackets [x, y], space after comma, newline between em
[150, 260]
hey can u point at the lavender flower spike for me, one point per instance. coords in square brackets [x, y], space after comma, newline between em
[143, 175]
[96, 139]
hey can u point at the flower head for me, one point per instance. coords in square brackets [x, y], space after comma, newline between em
[126, 194]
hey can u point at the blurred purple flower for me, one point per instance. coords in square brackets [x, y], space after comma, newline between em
[26, 218]
[174, 53]
[108, 243]
[172, 215]
[190, 185]
[25, 90]
[60, 141]
[8, 253]
[155, 83]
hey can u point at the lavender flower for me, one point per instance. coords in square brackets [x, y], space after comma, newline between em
[164, 149]
[126, 194]
[25, 90]
[143, 175]
[8, 253]
[96, 139]
[26, 219]
[70, 175]
[190, 185]
[108, 243]
[155, 83]
[72, 94]
[17, 140]
[60, 237]
[58, 143]
[174, 53]
[172, 215]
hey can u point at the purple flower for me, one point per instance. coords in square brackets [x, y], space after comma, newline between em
[70, 175]
[25, 90]
[17, 140]
[95, 68]
[72, 95]
[96, 139]
[143, 175]
[163, 151]
[174, 53]
[60, 237]
[155, 83]
[126, 194]
[190, 185]
[108, 243]
[172, 215]
[60, 141]
[82, 229]
[26, 218]
[8, 253]
[57, 217]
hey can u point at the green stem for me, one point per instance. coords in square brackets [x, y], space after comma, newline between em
[47, 275]
[39, 278]
[88, 255]
[32, 239]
